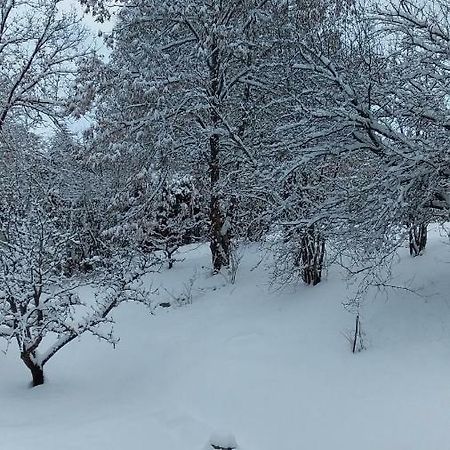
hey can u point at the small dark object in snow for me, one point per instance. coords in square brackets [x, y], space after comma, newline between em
[223, 441]
[165, 305]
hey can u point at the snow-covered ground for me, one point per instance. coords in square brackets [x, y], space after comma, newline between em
[272, 366]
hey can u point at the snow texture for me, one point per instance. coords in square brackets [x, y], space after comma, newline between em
[222, 439]
[274, 367]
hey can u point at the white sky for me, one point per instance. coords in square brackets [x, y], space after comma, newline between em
[91, 24]
[95, 27]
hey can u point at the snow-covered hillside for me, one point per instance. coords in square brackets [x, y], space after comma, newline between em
[272, 366]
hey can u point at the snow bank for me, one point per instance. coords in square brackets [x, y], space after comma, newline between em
[273, 366]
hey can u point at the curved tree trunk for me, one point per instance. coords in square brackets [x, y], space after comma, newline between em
[37, 372]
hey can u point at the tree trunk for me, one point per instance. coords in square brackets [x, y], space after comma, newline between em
[312, 255]
[220, 239]
[37, 372]
[219, 234]
[357, 344]
[417, 238]
[170, 260]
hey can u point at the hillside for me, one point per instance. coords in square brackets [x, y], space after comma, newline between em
[272, 366]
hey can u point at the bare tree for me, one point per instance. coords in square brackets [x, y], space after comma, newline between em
[40, 45]
[40, 306]
[189, 95]
[378, 109]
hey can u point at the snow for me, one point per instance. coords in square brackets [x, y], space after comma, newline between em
[272, 366]
[223, 439]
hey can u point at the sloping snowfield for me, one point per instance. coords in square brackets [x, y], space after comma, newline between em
[272, 366]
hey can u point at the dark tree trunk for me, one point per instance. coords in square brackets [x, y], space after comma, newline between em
[357, 344]
[219, 235]
[37, 372]
[312, 255]
[170, 260]
[417, 238]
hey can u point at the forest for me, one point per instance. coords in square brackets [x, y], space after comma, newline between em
[306, 141]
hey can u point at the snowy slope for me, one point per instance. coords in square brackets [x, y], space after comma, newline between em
[272, 366]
